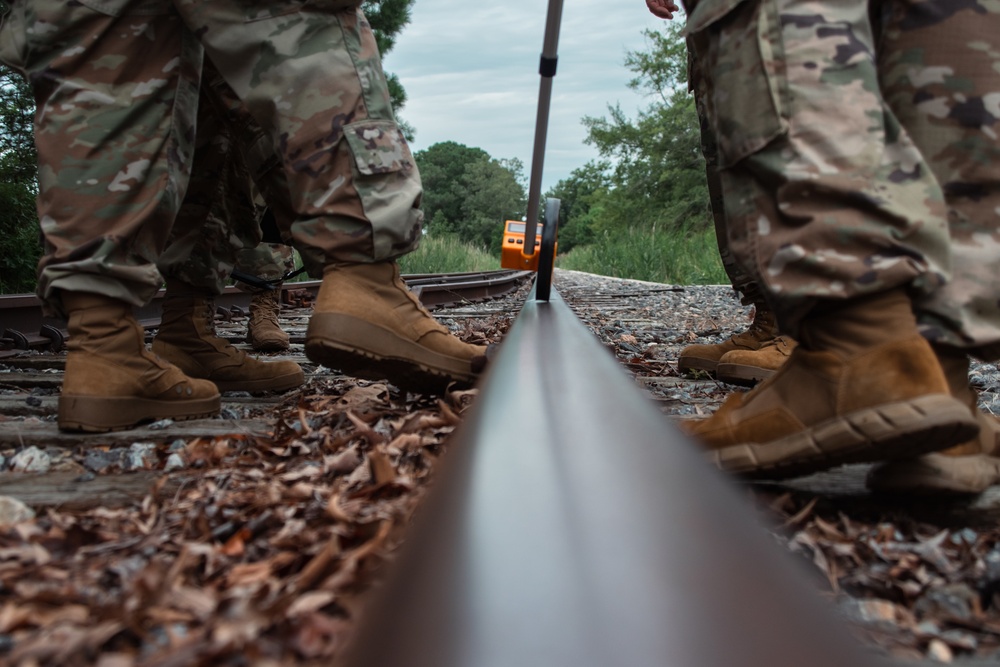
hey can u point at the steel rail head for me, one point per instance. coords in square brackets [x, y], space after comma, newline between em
[572, 526]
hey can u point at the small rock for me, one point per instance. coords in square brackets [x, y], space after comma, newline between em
[928, 629]
[992, 561]
[14, 511]
[872, 610]
[966, 535]
[953, 600]
[67, 465]
[141, 455]
[939, 651]
[177, 445]
[31, 459]
[160, 425]
[228, 413]
[960, 640]
[33, 401]
[174, 462]
[99, 460]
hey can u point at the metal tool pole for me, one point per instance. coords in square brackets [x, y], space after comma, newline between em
[547, 70]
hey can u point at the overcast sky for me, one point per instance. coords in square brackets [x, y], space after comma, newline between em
[470, 70]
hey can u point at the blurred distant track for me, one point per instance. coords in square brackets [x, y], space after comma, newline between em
[24, 327]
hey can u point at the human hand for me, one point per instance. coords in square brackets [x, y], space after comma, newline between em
[665, 9]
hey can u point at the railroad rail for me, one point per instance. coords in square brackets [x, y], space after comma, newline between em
[24, 327]
[574, 526]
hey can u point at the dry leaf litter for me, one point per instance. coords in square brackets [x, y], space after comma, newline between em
[259, 550]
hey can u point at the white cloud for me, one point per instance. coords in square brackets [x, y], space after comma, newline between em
[471, 73]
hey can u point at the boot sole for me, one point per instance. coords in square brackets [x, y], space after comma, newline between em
[382, 356]
[697, 364]
[278, 383]
[269, 347]
[102, 414]
[890, 431]
[742, 374]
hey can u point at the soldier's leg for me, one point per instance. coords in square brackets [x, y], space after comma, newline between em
[217, 221]
[112, 132]
[218, 217]
[115, 92]
[747, 356]
[833, 209]
[311, 77]
[269, 261]
[938, 66]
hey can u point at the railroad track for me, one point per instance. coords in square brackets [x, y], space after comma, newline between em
[33, 362]
[24, 327]
[642, 325]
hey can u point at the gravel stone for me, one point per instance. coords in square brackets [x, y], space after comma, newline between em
[14, 511]
[31, 459]
[141, 455]
[174, 462]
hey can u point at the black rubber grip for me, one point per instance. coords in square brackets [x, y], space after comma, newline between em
[547, 66]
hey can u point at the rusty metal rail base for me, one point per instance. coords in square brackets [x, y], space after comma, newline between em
[573, 526]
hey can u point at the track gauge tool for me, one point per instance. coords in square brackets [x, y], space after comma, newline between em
[520, 238]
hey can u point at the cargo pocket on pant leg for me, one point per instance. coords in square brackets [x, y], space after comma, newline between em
[388, 183]
[738, 48]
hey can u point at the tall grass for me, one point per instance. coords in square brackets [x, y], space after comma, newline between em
[446, 254]
[676, 257]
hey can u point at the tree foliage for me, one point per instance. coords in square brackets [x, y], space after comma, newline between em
[652, 173]
[20, 246]
[469, 194]
[581, 198]
[387, 19]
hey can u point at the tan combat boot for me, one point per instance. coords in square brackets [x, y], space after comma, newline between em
[862, 385]
[748, 367]
[187, 339]
[367, 323]
[112, 381]
[968, 468]
[705, 358]
[263, 331]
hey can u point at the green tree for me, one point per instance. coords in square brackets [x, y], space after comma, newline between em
[441, 169]
[494, 192]
[469, 194]
[387, 19]
[657, 172]
[20, 246]
[581, 203]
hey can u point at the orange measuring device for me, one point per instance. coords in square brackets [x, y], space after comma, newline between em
[513, 254]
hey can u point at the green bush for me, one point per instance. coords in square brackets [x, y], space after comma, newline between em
[446, 254]
[20, 242]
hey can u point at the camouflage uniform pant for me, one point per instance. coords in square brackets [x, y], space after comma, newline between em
[739, 277]
[116, 84]
[846, 172]
[218, 225]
